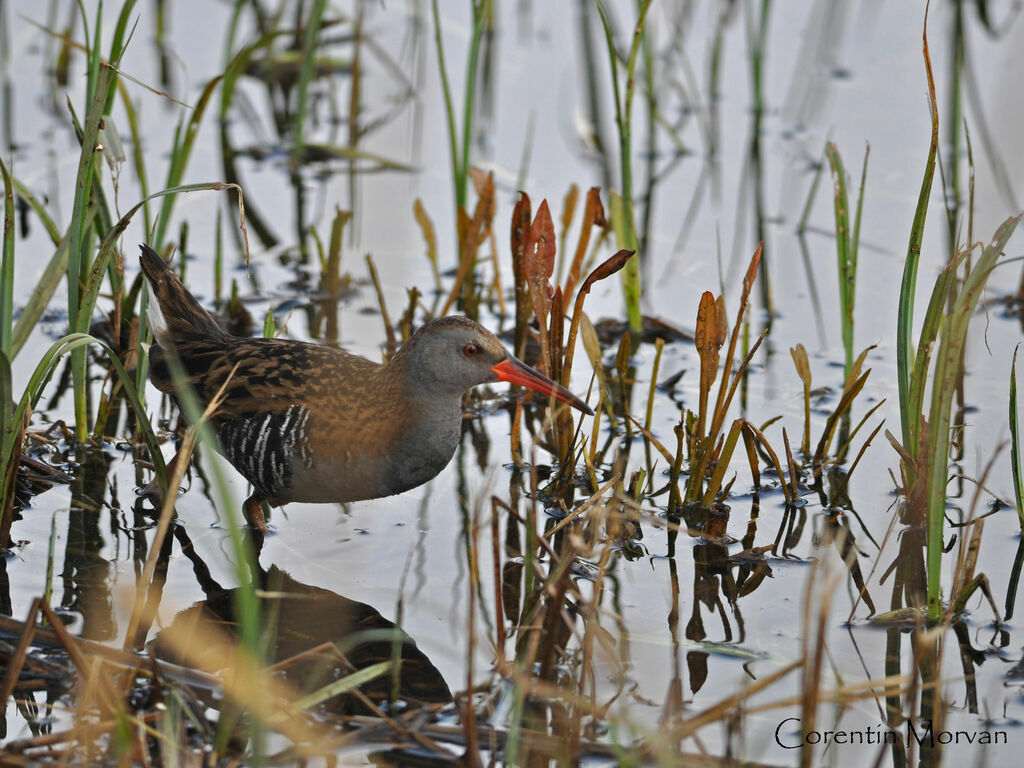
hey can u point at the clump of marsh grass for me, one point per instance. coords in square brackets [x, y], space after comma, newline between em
[929, 370]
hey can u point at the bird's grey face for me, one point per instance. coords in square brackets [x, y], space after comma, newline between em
[453, 354]
[458, 357]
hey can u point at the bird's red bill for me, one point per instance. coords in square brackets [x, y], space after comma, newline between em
[516, 371]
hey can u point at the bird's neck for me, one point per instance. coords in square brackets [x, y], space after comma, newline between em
[432, 428]
[420, 381]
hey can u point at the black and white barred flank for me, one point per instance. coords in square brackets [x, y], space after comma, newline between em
[264, 448]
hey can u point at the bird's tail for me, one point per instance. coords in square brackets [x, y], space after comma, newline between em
[175, 314]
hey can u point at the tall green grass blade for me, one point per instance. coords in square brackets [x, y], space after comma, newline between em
[855, 237]
[338, 687]
[234, 69]
[459, 146]
[246, 604]
[137, 151]
[184, 142]
[934, 320]
[229, 41]
[812, 192]
[237, 66]
[48, 585]
[119, 42]
[310, 36]
[11, 432]
[7, 268]
[77, 241]
[1018, 471]
[39, 209]
[7, 426]
[847, 269]
[92, 51]
[453, 137]
[481, 13]
[905, 313]
[218, 259]
[847, 239]
[55, 271]
[631, 284]
[948, 362]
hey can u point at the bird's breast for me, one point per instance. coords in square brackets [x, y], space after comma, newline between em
[376, 458]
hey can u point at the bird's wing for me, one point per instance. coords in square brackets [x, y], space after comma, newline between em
[254, 377]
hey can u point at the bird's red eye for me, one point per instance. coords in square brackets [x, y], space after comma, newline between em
[470, 350]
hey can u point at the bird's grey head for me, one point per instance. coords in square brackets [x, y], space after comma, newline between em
[450, 355]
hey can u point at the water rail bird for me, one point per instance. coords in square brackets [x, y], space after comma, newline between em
[311, 423]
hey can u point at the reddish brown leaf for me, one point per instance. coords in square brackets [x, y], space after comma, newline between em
[520, 226]
[542, 236]
[606, 268]
[478, 228]
[748, 280]
[706, 341]
[540, 263]
[593, 215]
[706, 335]
[480, 180]
[723, 322]
[518, 236]
[569, 208]
[597, 218]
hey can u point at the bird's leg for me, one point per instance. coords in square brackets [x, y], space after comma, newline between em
[252, 509]
[151, 490]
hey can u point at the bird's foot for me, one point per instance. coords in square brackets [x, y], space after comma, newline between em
[252, 509]
[151, 490]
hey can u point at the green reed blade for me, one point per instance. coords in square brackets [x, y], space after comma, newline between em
[181, 152]
[92, 51]
[339, 152]
[119, 43]
[453, 137]
[77, 249]
[237, 66]
[7, 425]
[48, 585]
[338, 687]
[855, 236]
[1018, 471]
[631, 283]
[39, 209]
[812, 192]
[245, 563]
[246, 603]
[905, 313]
[724, 457]
[481, 14]
[138, 156]
[948, 362]
[50, 278]
[310, 36]
[7, 267]
[847, 269]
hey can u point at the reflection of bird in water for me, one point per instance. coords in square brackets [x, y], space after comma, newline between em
[305, 422]
[334, 636]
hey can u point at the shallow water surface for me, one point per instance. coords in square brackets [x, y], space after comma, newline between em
[685, 620]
